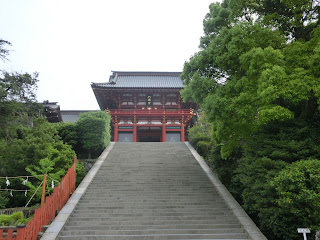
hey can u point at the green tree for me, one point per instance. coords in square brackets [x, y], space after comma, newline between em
[68, 133]
[17, 102]
[28, 143]
[93, 129]
[3, 51]
[3, 200]
[295, 18]
[17, 98]
[256, 77]
[246, 76]
[38, 150]
[44, 166]
[199, 137]
[298, 193]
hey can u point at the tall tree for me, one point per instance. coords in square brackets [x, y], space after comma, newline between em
[17, 101]
[28, 143]
[248, 74]
[256, 77]
[3, 51]
[295, 18]
[93, 129]
[17, 97]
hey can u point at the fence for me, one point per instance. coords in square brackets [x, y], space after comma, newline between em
[47, 211]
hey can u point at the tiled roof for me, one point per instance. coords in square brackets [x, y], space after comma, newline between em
[142, 80]
[72, 115]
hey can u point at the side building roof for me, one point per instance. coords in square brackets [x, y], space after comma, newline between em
[121, 79]
[72, 115]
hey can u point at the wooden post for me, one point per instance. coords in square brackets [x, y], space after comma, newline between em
[43, 189]
[20, 232]
[134, 132]
[182, 132]
[116, 132]
[9, 234]
[74, 175]
[163, 132]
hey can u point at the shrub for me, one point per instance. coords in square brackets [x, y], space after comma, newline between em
[13, 219]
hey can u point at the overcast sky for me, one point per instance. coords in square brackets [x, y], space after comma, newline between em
[72, 43]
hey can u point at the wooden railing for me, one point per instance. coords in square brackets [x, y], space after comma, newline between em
[47, 211]
[146, 111]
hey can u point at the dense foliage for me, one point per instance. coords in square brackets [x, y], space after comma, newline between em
[29, 145]
[256, 78]
[89, 135]
[4, 52]
[17, 101]
[13, 219]
[199, 137]
[93, 129]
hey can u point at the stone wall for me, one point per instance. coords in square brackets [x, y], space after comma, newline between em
[318, 235]
[88, 163]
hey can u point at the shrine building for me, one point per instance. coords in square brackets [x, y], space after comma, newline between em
[145, 106]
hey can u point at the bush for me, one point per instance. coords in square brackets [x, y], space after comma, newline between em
[81, 173]
[11, 220]
[298, 196]
[199, 137]
[93, 130]
[270, 173]
[38, 150]
[68, 133]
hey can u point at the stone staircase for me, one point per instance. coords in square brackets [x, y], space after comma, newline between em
[151, 191]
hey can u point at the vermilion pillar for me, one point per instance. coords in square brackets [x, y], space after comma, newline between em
[182, 132]
[116, 132]
[134, 132]
[163, 132]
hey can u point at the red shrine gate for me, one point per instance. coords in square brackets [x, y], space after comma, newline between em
[145, 106]
[152, 125]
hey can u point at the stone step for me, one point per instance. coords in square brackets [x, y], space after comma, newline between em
[151, 192]
[148, 192]
[229, 236]
[140, 205]
[126, 213]
[155, 200]
[143, 227]
[73, 222]
[151, 189]
[151, 231]
[156, 196]
[150, 218]
[200, 211]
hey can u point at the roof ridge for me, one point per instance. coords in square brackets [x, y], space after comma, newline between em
[143, 80]
[144, 73]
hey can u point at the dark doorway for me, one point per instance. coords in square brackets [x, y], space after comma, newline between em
[149, 134]
[149, 138]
